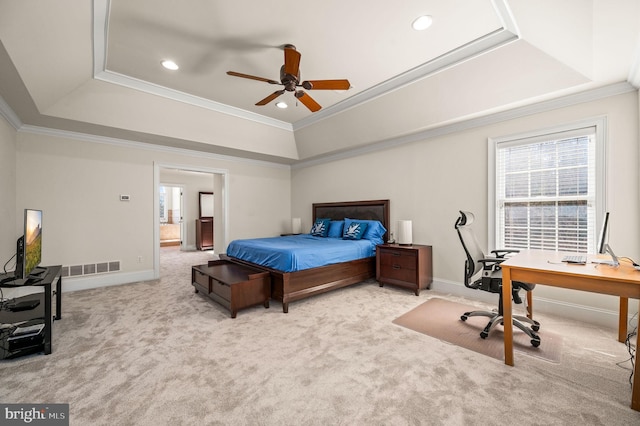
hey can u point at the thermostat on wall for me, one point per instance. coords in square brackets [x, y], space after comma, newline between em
[124, 197]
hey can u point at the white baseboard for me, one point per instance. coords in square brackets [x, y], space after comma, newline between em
[104, 280]
[587, 314]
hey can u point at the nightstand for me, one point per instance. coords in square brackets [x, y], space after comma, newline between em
[405, 266]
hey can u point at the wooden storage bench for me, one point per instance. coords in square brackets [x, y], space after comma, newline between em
[233, 286]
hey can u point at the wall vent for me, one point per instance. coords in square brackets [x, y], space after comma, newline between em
[90, 268]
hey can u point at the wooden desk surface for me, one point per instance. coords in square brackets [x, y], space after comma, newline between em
[623, 280]
[547, 268]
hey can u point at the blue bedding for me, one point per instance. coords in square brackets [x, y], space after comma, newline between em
[298, 252]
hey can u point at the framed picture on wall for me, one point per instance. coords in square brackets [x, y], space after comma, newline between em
[206, 205]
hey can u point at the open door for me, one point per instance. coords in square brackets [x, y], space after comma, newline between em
[171, 220]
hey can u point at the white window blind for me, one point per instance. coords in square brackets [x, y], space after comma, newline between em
[546, 191]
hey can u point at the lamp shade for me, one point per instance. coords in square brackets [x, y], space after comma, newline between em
[405, 233]
[296, 225]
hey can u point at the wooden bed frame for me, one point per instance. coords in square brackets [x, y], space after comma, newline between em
[291, 286]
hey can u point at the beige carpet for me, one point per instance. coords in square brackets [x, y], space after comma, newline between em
[156, 353]
[440, 318]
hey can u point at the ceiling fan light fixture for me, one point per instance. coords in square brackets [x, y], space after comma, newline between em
[281, 104]
[169, 64]
[290, 79]
[422, 22]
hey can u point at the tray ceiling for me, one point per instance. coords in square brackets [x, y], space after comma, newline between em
[96, 68]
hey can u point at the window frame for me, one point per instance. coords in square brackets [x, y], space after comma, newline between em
[600, 125]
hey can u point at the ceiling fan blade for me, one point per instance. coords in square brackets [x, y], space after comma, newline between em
[252, 77]
[326, 84]
[308, 101]
[291, 61]
[270, 97]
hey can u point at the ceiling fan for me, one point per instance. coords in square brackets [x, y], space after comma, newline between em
[290, 79]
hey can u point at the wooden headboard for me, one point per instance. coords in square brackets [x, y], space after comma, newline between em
[368, 210]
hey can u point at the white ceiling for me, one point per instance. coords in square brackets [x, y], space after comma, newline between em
[95, 68]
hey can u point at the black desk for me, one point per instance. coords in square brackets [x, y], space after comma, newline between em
[43, 311]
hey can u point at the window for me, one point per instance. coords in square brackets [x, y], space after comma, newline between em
[547, 190]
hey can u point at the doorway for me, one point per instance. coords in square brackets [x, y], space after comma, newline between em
[171, 220]
[191, 180]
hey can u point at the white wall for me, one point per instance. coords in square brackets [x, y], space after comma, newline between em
[77, 185]
[8, 229]
[430, 180]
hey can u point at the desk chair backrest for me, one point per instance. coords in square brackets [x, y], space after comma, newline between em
[470, 245]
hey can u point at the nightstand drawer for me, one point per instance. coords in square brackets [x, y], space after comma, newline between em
[405, 259]
[399, 273]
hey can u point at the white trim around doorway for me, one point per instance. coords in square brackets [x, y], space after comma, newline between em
[156, 204]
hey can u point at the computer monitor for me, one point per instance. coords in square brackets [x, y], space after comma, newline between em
[602, 240]
[28, 250]
[603, 246]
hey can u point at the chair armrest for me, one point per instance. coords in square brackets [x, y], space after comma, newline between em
[502, 252]
[491, 260]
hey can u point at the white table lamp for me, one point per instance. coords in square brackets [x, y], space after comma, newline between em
[405, 233]
[296, 225]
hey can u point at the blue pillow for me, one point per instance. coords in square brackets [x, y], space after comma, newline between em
[375, 231]
[320, 228]
[335, 228]
[353, 229]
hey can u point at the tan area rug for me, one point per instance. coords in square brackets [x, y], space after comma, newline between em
[440, 318]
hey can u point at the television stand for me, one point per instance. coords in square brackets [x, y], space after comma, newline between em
[14, 344]
[13, 281]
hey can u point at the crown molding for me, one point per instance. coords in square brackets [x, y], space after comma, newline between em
[100, 39]
[176, 95]
[7, 112]
[85, 137]
[449, 59]
[540, 107]
[508, 33]
[523, 111]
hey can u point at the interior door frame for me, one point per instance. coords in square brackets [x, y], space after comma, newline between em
[156, 205]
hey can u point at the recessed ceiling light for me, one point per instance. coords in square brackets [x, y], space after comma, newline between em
[422, 22]
[281, 104]
[170, 65]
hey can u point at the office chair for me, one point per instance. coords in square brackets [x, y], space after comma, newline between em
[491, 280]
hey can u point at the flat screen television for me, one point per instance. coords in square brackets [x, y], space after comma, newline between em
[29, 249]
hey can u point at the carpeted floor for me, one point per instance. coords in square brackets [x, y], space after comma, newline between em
[156, 353]
[440, 318]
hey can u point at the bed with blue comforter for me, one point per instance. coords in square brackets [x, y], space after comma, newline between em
[338, 251]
